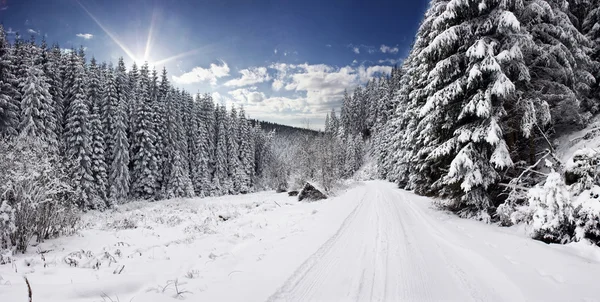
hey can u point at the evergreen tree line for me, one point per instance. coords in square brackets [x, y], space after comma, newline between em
[121, 134]
[472, 113]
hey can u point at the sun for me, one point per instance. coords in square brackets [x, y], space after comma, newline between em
[139, 59]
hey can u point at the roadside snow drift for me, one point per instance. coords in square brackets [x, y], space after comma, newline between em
[371, 243]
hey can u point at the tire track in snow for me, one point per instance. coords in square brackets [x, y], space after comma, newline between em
[388, 249]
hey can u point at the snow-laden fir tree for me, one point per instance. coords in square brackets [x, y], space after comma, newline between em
[400, 138]
[116, 138]
[234, 167]
[145, 158]
[200, 157]
[158, 111]
[221, 181]
[78, 136]
[178, 182]
[246, 153]
[50, 117]
[95, 98]
[475, 64]
[163, 112]
[51, 69]
[34, 104]
[9, 95]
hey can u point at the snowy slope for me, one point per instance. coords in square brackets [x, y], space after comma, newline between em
[372, 243]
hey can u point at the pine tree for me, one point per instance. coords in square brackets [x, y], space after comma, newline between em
[98, 165]
[158, 114]
[9, 95]
[144, 161]
[165, 111]
[78, 136]
[246, 154]
[221, 182]
[37, 120]
[234, 166]
[52, 73]
[178, 182]
[116, 138]
[474, 66]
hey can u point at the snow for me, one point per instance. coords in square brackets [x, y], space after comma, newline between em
[372, 242]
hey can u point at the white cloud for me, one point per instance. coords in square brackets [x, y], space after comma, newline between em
[10, 31]
[328, 45]
[354, 62]
[390, 61]
[323, 85]
[32, 31]
[217, 97]
[277, 84]
[366, 73]
[250, 76]
[199, 74]
[388, 49]
[85, 36]
[247, 95]
[275, 51]
[356, 50]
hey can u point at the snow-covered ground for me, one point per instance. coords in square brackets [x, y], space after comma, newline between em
[371, 243]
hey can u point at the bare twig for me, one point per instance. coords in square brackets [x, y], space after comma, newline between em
[277, 203]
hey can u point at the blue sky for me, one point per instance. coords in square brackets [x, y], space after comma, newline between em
[285, 61]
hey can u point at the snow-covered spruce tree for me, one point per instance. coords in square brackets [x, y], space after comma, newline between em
[158, 110]
[134, 94]
[203, 177]
[400, 140]
[117, 143]
[180, 184]
[261, 153]
[78, 137]
[51, 69]
[37, 120]
[557, 62]
[221, 182]
[177, 182]
[478, 63]
[234, 167]
[99, 168]
[193, 135]
[144, 162]
[208, 119]
[585, 18]
[246, 154]
[9, 95]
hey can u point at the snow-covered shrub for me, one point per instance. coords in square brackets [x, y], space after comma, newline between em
[582, 170]
[549, 210]
[587, 215]
[35, 197]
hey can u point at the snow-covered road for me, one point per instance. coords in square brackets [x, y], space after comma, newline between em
[391, 248]
[373, 242]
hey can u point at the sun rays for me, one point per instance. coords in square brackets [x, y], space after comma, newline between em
[145, 57]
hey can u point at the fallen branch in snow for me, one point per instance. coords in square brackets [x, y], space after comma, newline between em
[30, 294]
[119, 270]
[277, 203]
